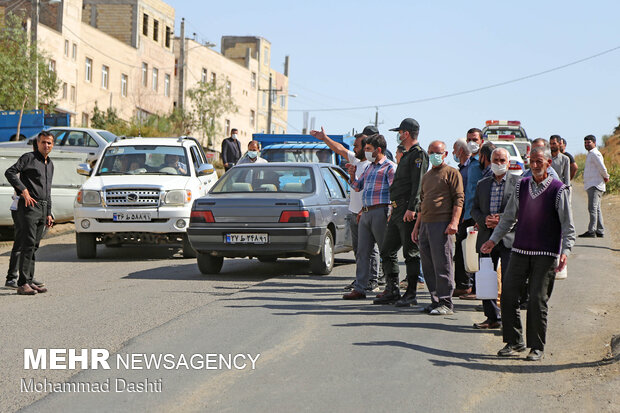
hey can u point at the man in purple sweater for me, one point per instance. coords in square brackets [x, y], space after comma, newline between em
[544, 236]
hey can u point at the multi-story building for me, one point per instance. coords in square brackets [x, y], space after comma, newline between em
[202, 64]
[240, 49]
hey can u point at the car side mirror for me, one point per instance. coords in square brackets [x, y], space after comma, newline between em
[84, 169]
[204, 169]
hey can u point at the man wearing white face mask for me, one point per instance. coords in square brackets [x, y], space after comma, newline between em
[441, 202]
[252, 155]
[231, 150]
[492, 196]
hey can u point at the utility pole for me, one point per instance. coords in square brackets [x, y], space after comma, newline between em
[270, 91]
[181, 68]
[377, 118]
[34, 26]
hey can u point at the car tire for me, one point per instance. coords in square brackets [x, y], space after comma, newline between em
[267, 259]
[86, 244]
[208, 264]
[323, 263]
[188, 250]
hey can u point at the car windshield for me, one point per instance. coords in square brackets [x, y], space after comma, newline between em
[312, 155]
[266, 179]
[108, 136]
[144, 160]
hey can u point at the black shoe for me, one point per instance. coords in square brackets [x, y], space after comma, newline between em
[37, 283]
[373, 285]
[10, 284]
[511, 350]
[535, 355]
[350, 286]
[388, 298]
[600, 235]
[429, 308]
[406, 301]
[587, 234]
[381, 280]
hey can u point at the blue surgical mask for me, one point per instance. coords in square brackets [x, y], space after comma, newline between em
[252, 154]
[399, 138]
[456, 158]
[436, 159]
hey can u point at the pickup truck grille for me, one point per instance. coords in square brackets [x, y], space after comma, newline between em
[132, 197]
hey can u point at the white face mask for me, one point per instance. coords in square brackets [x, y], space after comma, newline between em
[369, 156]
[499, 170]
[252, 154]
[234, 135]
[473, 146]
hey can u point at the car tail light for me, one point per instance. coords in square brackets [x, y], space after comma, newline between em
[295, 216]
[514, 166]
[506, 137]
[514, 122]
[201, 217]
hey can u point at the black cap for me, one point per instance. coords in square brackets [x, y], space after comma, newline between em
[409, 124]
[370, 130]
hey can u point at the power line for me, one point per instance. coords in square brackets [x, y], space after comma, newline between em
[464, 92]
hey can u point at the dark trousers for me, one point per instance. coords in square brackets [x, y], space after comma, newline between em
[397, 235]
[31, 221]
[500, 252]
[537, 270]
[13, 271]
[462, 278]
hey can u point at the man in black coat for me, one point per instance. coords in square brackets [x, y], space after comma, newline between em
[492, 195]
[231, 150]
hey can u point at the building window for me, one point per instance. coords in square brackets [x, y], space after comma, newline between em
[89, 69]
[266, 59]
[228, 88]
[168, 36]
[124, 85]
[64, 90]
[72, 93]
[252, 118]
[145, 72]
[105, 71]
[227, 124]
[254, 80]
[155, 76]
[264, 98]
[85, 119]
[145, 24]
[52, 65]
[167, 85]
[203, 76]
[283, 101]
[213, 78]
[67, 48]
[74, 51]
[156, 30]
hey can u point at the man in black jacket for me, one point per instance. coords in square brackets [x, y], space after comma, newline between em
[231, 150]
[31, 177]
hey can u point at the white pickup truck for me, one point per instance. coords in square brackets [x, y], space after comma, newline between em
[141, 191]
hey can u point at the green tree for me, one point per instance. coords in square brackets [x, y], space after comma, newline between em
[17, 69]
[210, 101]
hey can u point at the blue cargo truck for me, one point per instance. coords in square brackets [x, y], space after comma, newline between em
[33, 122]
[298, 148]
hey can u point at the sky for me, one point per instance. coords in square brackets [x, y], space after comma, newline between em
[371, 53]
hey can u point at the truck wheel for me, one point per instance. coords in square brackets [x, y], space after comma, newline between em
[188, 250]
[208, 264]
[86, 244]
[323, 263]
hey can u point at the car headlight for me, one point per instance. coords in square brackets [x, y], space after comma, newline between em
[178, 197]
[89, 198]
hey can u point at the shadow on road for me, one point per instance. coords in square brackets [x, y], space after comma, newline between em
[597, 246]
[472, 361]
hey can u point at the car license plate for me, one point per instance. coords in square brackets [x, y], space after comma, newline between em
[247, 238]
[132, 216]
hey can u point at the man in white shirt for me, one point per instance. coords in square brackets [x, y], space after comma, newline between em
[252, 155]
[357, 159]
[595, 177]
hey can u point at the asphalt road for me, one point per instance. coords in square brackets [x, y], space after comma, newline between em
[317, 352]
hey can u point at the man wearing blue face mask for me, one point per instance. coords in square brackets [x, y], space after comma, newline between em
[252, 155]
[441, 202]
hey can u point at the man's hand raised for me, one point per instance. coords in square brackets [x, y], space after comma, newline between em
[319, 135]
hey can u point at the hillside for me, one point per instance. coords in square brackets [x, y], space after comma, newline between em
[611, 153]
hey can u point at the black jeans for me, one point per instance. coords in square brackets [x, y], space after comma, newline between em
[538, 271]
[13, 271]
[31, 221]
[462, 278]
[500, 252]
[397, 235]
